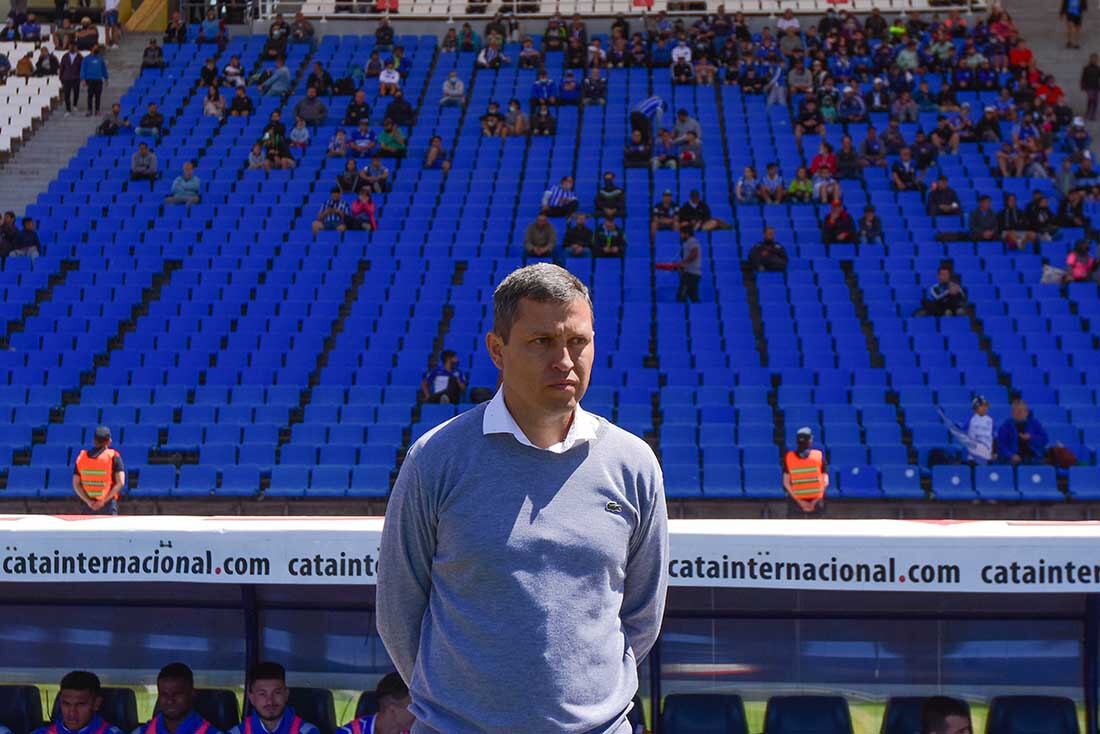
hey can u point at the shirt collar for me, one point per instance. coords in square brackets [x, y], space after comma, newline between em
[92, 725]
[498, 419]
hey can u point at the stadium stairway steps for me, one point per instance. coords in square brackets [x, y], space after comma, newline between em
[31, 169]
[42, 295]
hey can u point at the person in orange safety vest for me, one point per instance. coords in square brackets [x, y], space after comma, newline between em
[805, 474]
[99, 476]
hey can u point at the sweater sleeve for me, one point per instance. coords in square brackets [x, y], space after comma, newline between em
[405, 568]
[646, 577]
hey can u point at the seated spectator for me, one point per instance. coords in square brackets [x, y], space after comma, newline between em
[454, 91]
[1071, 212]
[311, 109]
[983, 221]
[691, 151]
[809, 121]
[608, 240]
[348, 179]
[257, 158]
[597, 57]
[384, 34]
[213, 105]
[988, 129]
[241, 104]
[851, 107]
[696, 213]
[338, 145]
[945, 137]
[277, 37]
[301, 30]
[212, 30]
[375, 177]
[945, 297]
[529, 56]
[299, 135]
[389, 80]
[363, 142]
[543, 122]
[576, 54]
[491, 57]
[373, 68]
[151, 123]
[186, 187]
[363, 213]
[747, 188]
[544, 89]
[825, 186]
[493, 122]
[143, 164]
[24, 68]
[208, 74]
[26, 242]
[569, 93]
[332, 214]
[942, 201]
[870, 227]
[233, 73]
[849, 165]
[904, 108]
[665, 214]
[801, 189]
[391, 141]
[357, 110]
[540, 237]
[924, 152]
[683, 72]
[638, 152]
[838, 227]
[279, 82]
[1081, 266]
[1014, 225]
[705, 70]
[468, 41]
[594, 88]
[767, 255]
[444, 383]
[560, 200]
[1021, 439]
[904, 173]
[176, 32]
[684, 125]
[277, 148]
[114, 122]
[665, 153]
[516, 122]
[893, 140]
[578, 236]
[320, 80]
[771, 189]
[436, 157]
[610, 197]
[9, 233]
[86, 36]
[153, 56]
[400, 111]
[872, 152]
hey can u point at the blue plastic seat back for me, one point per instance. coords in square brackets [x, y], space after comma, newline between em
[703, 713]
[807, 715]
[1032, 715]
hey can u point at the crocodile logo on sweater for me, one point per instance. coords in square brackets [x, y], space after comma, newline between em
[614, 507]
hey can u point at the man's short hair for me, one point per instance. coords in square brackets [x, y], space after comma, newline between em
[390, 689]
[266, 670]
[447, 354]
[176, 671]
[540, 282]
[81, 680]
[935, 711]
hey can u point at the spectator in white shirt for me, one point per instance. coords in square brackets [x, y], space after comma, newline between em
[454, 91]
[788, 21]
[682, 52]
[389, 80]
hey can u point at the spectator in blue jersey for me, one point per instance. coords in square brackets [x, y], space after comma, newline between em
[363, 141]
[569, 93]
[560, 200]
[544, 89]
[268, 694]
[646, 114]
[279, 82]
[176, 705]
[78, 704]
[94, 74]
[186, 188]
[444, 383]
[945, 297]
[1021, 439]
[31, 30]
[393, 715]
[332, 214]
[211, 30]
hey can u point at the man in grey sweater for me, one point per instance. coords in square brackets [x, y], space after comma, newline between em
[525, 544]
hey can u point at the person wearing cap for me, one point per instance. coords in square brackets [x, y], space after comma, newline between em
[988, 127]
[268, 695]
[979, 432]
[610, 197]
[99, 476]
[877, 97]
[78, 702]
[665, 214]
[1077, 140]
[852, 108]
[805, 474]
[393, 717]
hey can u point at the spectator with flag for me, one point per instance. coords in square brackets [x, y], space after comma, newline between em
[646, 114]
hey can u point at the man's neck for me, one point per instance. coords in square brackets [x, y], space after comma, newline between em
[170, 725]
[541, 430]
[270, 724]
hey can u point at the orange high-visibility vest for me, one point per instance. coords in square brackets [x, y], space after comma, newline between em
[96, 475]
[807, 478]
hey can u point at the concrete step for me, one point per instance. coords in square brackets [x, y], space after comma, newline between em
[31, 169]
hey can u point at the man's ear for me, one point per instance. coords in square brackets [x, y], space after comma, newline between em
[495, 346]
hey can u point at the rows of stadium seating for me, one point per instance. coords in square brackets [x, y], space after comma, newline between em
[681, 713]
[235, 303]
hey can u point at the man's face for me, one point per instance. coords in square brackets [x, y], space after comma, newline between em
[188, 169]
[269, 698]
[174, 698]
[547, 359]
[944, 275]
[1020, 413]
[956, 724]
[311, 92]
[77, 708]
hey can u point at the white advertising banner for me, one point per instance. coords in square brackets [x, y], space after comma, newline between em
[867, 555]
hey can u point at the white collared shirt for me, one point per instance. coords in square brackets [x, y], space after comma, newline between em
[498, 419]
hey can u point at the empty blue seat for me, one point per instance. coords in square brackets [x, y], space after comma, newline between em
[996, 482]
[807, 715]
[196, 481]
[288, 481]
[703, 713]
[953, 482]
[1038, 483]
[1032, 715]
[239, 481]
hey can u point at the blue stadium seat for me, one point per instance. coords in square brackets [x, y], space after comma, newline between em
[20, 708]
[1032, 715]
[953, 482]
[807, 715]
[996, 482]
[703, 713]
[196, 481]
[1039, 483]
[239, 481]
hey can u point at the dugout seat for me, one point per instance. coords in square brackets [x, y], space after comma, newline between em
[316, 706]
[119, 708]
[703, 713]
[20, 708]
[807, 715]
[1031, 715]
